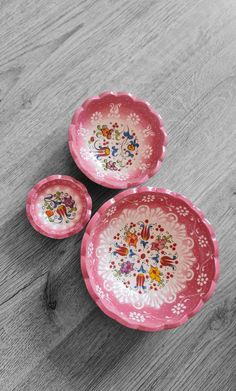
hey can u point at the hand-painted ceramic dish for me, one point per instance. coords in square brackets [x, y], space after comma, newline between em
[58, 206]
[149, 259]
[117, 140]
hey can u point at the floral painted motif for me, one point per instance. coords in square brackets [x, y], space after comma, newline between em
[114, 145]
[178, 308]
[148, 151]
[136, 250]
[121, 175]
[182, 210]
[100, 292]
[143, 167]
[148, 198]
[202, 279]
[143, 256]
[137, 317]
[134, 118]
[90, 249]
[82, 131]
[120, 134]
[202, 240]
[84, 153]
[96, 117]
[59, 207]
[111, 211]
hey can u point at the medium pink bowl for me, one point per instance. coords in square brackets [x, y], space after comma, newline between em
[58, 206]
[149, 259]
[117, 140]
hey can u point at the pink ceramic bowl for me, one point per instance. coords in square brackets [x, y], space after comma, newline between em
[149, 259]
[58, 206]
[117, 140]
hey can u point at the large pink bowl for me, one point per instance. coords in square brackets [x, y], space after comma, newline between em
[149, 259]
[117, 140]
[58, 206]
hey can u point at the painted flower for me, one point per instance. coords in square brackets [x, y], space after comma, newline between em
[131, 238]
[111, 211]
[49, 213]
[96, 117]
[143, 167]
[100, 292]
[182, 211]
[202, 240]
[134, 118]
[155, 273]
[90, 249]
[202, 279]
[178, 308]
[158, 244]
[147, 152]
[82, 131]
[126, 267]
[137, 317]
[148, 198]
[68, 201]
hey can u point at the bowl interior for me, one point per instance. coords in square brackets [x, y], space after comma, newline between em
[150, 259]
[119, 141]
[58, 207]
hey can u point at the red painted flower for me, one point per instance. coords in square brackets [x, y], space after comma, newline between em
[158, 245]
[145, 233]
[121, 250]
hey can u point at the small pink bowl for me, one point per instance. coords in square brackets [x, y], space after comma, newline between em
[58, 206]
[149, 259]
[117, 140]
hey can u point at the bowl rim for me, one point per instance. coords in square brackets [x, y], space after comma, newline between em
[66, 233]
[114, 183]
[119, 318]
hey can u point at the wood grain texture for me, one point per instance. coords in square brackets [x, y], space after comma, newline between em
[181, 57]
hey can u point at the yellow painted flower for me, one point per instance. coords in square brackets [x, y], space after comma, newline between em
[154, 273]
[131, 147]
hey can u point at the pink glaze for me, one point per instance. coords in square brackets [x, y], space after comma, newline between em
[149, 259]
[117, 140]
[58, 206]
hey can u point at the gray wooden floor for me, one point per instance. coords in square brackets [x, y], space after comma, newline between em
[180, 56]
